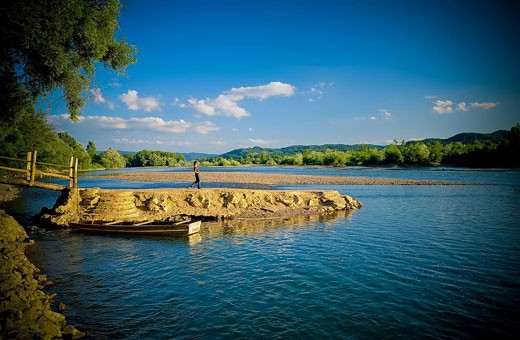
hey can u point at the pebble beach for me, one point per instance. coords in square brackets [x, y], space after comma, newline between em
[269, 179]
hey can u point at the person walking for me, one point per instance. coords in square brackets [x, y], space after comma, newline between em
[197, 178]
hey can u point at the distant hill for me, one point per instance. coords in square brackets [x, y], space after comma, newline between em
[291, 150]
[470, 137]
[191, 156]
[465, 138]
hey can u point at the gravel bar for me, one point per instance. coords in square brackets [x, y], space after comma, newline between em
[269, 179]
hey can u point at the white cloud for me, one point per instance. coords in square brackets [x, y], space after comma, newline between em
[154, 124]
[226, 103]
[443, 106]
[158, 141]
[485, 106]
[98, 97]
[105, 122]
[206, 127]
[258, 141]
[159, 124]
[462, 106]
[447, 106]
[133, 102]
[130, 141]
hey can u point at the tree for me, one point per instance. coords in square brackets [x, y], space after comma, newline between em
[112, 159]
[83, 157]
[92, 152]
[393, 154]
[56, 45]
[91, 149]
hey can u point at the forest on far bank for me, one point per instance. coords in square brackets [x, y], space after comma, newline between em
[502, 150]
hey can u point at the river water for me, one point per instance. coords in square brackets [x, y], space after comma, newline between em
[414, 262]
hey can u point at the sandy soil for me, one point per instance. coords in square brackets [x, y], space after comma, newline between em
[267, 179]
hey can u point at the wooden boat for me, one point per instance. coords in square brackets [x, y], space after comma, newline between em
[182, 228]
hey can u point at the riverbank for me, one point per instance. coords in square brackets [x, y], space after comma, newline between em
[267, 180]
[25, 310]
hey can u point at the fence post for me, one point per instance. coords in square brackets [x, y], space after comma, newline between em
[33, 166]
[76, 172]
[28, 166]
[71, 172]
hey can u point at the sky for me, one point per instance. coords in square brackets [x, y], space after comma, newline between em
[213, 76]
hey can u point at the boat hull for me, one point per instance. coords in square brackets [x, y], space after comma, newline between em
[177, 229]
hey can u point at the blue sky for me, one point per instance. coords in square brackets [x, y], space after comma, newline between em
[213, 76]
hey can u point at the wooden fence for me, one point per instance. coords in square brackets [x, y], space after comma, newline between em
[29, 167]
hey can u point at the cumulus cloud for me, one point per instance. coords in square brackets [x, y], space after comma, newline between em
[154, 124]
[443, 106]
[131, 141]
[462, 106]
[159, 124]
[206, 127]
[98, 97]
[133, 102]
[158, 141]
[485, 106]
[226, 103]
[258, 141]
[448, 106]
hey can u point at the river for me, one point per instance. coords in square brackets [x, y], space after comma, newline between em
[414, 262]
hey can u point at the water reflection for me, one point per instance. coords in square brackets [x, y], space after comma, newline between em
[248, 227]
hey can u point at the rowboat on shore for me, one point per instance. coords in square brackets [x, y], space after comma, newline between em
[182, 228]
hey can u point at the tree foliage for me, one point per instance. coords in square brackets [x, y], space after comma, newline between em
[156, 158]
[56, 45]
[492, 152]
[112, 159]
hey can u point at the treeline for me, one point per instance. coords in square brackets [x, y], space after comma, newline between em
[30, 130]
[480, 153]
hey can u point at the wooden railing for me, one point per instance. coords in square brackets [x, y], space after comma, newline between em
[29, 167]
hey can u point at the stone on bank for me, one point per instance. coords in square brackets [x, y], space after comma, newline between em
[25, 310]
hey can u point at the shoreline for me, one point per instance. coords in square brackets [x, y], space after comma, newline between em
[26, 310]
[267, 180]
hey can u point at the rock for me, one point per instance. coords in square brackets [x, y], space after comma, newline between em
[25, 310]
[70, 332]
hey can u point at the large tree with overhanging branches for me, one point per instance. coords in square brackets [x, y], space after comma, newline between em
[51, 45]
